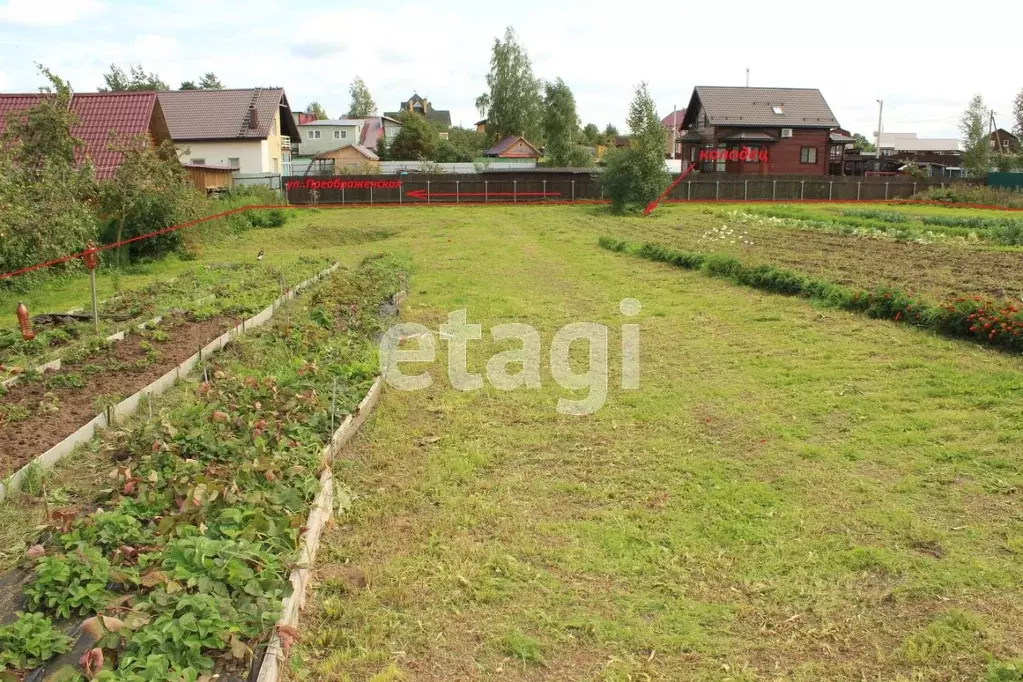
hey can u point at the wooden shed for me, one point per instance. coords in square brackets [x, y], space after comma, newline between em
[208, 178]
[352, 157]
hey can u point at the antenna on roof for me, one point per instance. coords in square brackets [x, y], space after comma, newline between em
[747, 76]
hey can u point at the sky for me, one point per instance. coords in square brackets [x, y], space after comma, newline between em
[913, 54]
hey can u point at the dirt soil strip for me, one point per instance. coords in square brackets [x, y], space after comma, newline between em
[21, 441]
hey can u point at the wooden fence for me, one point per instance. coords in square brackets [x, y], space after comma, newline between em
[539, 186]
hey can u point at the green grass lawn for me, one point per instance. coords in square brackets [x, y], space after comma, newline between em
[792, 493]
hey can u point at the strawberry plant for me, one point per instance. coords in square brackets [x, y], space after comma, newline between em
[182, 628]
[71, 584]
[106, 530]
[30, 641]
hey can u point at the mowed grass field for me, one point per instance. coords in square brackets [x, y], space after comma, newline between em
[792, 493]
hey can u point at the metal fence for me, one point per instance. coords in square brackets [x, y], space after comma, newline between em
[561, 187]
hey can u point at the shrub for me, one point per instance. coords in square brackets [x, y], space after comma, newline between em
[973, 194]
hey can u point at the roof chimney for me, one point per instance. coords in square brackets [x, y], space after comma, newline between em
[253, 117]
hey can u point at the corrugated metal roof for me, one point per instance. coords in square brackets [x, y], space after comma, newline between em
[781, 107]
[224, 114]
[125, 114]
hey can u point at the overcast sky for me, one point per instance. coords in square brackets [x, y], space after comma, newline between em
[917, 55]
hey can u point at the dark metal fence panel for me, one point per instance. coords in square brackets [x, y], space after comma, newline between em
[515, 187]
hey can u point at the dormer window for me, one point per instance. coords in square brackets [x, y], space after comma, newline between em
[777, 109]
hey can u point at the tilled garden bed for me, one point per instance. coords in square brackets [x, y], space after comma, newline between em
[40, 411]
[175, 565]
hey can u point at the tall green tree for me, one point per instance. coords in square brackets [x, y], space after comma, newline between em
[862, 144]
[462, 146]
[136, 79]
[560, 124]
[210, 82]
[976, 141]
[47, 195]
[591, 134]
[417, 140]
[610, 133]
[317, 110]
[513, 103]
[362, 105]
[635, 175]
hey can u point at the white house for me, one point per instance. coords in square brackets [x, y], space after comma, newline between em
[250, 130]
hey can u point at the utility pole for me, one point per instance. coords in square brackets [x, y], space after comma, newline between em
[880, 110]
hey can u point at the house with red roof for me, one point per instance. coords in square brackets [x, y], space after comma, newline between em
[247, 130]
[106, 121]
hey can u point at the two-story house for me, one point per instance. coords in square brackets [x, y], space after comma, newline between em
[745, 130]
[422, 107]
[330, 133]
[249, 130]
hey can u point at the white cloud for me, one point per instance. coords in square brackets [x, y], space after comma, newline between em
[601, 53]
[51, 13]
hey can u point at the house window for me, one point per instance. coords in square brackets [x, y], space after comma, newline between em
[337, 134]
[314, 134]
[777, 109]
[1005, 144]
[199, 162]
[719, 166]
[808, 155]
[235, 162]
[754, 156]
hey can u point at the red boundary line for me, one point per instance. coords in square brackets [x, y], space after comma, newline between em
[558, 202]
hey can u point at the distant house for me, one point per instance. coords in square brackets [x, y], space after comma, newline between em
[321, 136]
[351, 157]
[513, 147]
[250, 131]
[673, 122]
[481, 126]
[421, 106]
[1004, 142]
[759, 130]
[104, 119]
[379, 128]
[939, 156]
[302, 117]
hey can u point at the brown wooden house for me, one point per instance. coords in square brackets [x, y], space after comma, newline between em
[761, 130]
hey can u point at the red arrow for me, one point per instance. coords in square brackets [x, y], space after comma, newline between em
[653, 204]
[424, 195]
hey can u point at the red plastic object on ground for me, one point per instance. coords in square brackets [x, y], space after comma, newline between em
[24, 322]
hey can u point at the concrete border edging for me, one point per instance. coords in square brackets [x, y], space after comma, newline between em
[119, 413]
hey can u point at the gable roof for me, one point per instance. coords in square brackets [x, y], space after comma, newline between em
[505, 143]
[367, 153]
[674, 118]
[739, 106]
[194, 115]
[441, 116]
[128, 115]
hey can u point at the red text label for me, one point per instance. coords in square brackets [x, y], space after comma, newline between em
[338, 183]
[745, 154]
